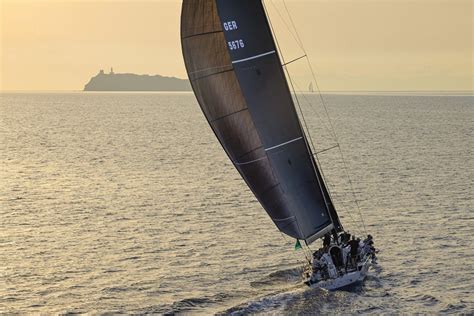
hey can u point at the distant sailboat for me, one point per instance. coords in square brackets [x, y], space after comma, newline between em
[310, 87]
[237, 77]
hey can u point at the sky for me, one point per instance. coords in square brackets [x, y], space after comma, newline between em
[367, 45]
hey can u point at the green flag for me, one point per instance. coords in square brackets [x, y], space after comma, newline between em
[297, 245]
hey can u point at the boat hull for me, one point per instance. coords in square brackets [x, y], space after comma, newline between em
[344, 280]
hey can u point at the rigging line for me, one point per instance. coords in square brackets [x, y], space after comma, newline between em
[344, 207]
[289, 77]
[283, 59]
[298, 42]
[312, 107]
[314, 148]
[329, 118]
[287, 63]
[324, 150]
[309, 252]
[311, 69]
[301, 263]
[344, 166]
[297, 101]
[301, 233]
[341, 201]
[304, 253]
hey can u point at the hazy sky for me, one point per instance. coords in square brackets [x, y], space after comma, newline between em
[353, 44]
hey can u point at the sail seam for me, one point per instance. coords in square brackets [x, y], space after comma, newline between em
[251, 161]
[284, 219]
[255, 160]
[210, 68]
[264, 192]
[253, 57]
[283, 144]
[227, 115]
[200, 34]
[250, 151]
[209, 75]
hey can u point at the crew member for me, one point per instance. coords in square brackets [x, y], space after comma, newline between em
[326, 240]
[354, 244]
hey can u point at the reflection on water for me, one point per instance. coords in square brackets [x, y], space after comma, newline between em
[126, 202]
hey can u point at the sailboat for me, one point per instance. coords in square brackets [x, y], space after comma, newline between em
[237, 77]
[310, 87]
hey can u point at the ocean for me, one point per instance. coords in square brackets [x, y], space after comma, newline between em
[126, 203]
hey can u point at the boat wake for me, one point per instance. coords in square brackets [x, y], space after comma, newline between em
[299, 299]
[187, 305]
[294, 297]
[280, 292]
[279, 278]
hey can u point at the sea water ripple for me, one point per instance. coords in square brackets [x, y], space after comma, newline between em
[125, 202]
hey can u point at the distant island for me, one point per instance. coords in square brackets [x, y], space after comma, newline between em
[132, 82]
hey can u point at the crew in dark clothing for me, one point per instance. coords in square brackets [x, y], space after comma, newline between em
[354, 250]
[369, 247]
[336, 256]
[334, 236]
[345, 237]
[326, 240]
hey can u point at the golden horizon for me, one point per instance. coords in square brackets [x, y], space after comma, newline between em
[355, 46]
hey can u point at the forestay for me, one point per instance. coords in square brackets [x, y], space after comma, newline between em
[236, 74]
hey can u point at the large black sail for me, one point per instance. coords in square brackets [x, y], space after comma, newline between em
[236, 75]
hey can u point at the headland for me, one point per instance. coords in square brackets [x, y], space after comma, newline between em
[133, 82]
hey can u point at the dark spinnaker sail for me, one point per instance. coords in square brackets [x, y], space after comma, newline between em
[238, 80]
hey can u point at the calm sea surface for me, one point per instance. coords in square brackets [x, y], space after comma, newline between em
[116, 202]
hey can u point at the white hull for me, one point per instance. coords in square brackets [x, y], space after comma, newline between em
[345, 279]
